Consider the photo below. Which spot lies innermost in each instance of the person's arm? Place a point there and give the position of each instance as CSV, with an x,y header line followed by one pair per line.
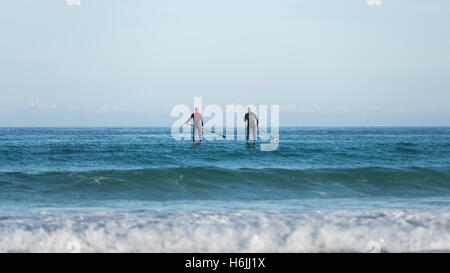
x,y
257,121
191,117
202,119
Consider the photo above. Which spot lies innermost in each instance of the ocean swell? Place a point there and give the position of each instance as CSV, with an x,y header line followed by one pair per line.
x,y
220,183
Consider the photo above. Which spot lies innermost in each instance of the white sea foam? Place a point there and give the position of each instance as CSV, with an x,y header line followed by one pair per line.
x,y
239,231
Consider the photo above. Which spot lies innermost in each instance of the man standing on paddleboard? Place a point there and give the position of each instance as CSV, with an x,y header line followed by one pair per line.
x,y
198,124
252,123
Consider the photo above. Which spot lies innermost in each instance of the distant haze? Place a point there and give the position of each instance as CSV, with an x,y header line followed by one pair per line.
x,y
127,63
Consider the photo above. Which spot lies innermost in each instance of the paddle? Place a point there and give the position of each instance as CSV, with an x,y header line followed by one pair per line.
x,y
212,132
275,139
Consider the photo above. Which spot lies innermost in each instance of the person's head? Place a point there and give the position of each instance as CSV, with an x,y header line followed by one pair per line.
x,y
249,109
197,109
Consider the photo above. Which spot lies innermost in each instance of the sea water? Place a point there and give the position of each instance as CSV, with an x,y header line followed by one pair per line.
x,y
139,190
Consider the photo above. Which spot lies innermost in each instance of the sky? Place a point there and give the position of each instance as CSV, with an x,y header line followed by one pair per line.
x,y
128,63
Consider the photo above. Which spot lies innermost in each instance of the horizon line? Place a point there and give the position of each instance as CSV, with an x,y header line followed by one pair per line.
x,y
286,126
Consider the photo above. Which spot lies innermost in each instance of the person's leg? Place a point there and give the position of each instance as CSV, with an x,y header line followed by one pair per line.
x,y
200,133
248,132
254,133
197,132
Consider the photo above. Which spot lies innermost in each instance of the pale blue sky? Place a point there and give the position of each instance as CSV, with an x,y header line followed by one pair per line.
x,y
127,63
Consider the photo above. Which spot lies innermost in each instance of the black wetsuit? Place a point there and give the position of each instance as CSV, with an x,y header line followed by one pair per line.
x,y
252,123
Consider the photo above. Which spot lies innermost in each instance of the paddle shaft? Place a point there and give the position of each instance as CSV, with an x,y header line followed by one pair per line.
x,y
212,132
267,133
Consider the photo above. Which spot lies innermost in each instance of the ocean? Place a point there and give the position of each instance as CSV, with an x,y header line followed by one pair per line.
x,y
371,189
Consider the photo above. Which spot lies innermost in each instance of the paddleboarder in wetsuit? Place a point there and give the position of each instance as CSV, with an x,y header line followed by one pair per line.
x,y
198,124
252,123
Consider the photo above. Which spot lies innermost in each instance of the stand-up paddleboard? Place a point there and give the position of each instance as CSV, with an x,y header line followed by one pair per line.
x,y
196,144
251,146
